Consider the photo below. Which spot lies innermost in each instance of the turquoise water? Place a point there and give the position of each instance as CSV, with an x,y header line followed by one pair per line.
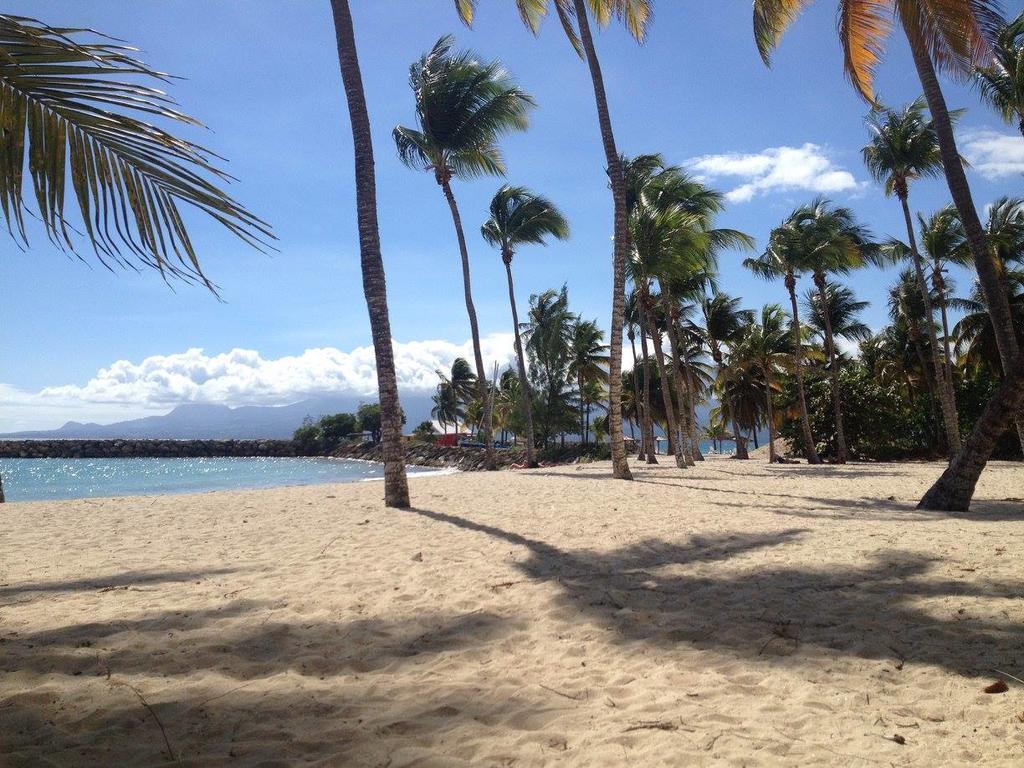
x,y
38,479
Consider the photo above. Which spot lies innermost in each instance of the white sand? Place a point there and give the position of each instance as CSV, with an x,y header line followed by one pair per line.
x,y
734,614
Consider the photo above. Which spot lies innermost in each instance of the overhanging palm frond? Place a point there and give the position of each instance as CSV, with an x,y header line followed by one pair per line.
x,y
771,19
65,102
635,15
1002,82
863,26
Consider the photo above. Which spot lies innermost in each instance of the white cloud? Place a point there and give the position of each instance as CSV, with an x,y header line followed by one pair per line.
x,y
992,154
776,169
240,377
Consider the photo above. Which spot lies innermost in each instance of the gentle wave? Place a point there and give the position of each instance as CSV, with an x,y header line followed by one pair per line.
x,y
51,479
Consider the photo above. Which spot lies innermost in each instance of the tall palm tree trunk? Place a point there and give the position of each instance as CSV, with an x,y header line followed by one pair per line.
x,y
740,441
940,289
620,465
583,411
989,272
671,420
481,374
524,381
636,396
691,388
947,400
650,447
770,413
396,486
842,454
798,366
677,378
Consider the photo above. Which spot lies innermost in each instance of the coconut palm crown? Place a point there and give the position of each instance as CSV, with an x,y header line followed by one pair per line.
x,y
903,147
520,217
1002,82
462,107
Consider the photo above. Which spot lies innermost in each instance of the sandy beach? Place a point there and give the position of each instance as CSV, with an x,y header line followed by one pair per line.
x,y
732,614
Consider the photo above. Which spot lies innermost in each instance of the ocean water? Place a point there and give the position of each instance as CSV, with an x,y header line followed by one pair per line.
x,y
39,479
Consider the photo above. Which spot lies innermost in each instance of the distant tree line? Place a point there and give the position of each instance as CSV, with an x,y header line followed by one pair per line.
x,y
329,432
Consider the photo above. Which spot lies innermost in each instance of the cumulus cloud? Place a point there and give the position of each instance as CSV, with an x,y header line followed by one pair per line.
x,y
239,377
993,154
776,169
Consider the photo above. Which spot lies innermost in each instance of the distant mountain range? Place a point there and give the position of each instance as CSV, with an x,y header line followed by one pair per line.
x,y
197,421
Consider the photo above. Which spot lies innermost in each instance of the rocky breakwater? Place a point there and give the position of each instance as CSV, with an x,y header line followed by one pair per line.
x,y
117,449
429,455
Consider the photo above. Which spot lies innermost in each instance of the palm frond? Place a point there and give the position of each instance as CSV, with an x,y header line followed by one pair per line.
x,y
863,27
69,103
771,19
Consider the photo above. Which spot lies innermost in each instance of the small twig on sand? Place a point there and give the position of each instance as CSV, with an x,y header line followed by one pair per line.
x,y
1006,674
222,695
572,696
656,725
328,544
506,584
146,704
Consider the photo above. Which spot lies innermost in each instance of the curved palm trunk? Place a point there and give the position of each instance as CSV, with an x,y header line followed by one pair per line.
x,y
940,289
620,465
636,398
954,489
671,420
396,486
770,414
798,366
996,299
740,441
481,374
583,411
947,400
650,447
524,381
677,380
691,388
842,454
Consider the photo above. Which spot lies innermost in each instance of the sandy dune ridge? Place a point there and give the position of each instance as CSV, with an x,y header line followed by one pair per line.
x,y
732,614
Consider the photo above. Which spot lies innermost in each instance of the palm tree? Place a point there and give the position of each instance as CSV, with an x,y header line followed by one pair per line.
x,y
832,242
396,486
955,36
943,240
651,232
447,408
461,380
765,351
75,109
642,402
783,258
724,320
1002,81
463,106
975,341
519,217
576,24
547,335
587,365
904,147
844,313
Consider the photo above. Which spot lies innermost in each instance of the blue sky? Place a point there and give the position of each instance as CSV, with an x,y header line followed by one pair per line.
x,y
80,342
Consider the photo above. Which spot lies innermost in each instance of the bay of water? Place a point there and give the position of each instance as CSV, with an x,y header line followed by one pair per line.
x,y
40,479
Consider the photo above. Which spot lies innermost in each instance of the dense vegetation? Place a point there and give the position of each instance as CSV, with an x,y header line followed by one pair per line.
x,y
328,432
